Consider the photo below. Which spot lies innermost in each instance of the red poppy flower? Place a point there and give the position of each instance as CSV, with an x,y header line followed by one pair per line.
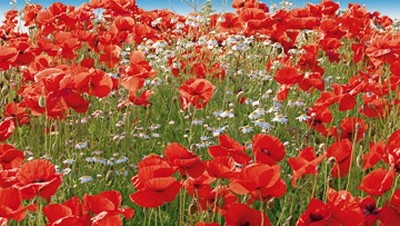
x,y
339,95
375,107
7,128
132,84
341,151
312,80
111,55
10,205
229,23
308,60
316,214
143,99
105,207
378,181
154,183
196,92
18,112
282,93
329,7
390,213
38,177
101,210
218,200
100,84
268,149
30,13
345,208
287,76
240,214
139,67
352,128
71,212
10,157
261,181
392,155
305,163
156,192
319,116
200,186
8,177
229,147
375,154
186,161
206,224
72,99
369,210
222,167
383,48
8,55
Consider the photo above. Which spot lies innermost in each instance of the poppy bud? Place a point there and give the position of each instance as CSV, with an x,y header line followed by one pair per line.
x,y
359,161
110,175
42,101
4,91
221,202
7,76
193,208
331,159
322,148
271,203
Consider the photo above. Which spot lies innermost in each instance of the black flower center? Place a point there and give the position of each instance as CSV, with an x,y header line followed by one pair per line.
x,y
315,217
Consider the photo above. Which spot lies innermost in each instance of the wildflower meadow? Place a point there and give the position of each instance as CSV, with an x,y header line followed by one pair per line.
x,y
267,115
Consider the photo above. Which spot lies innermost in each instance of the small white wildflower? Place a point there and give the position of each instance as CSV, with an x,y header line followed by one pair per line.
x,y
255,103
179,26
101,160
221,19
263,124
81,145
286,143
65,171
280,118
227,114
90,159
85,179
303,118
246,129
154,127
121,160
174,20
275,108
122,172
218,113
144,136
69,161
257,113
217,131
212,43
198,122
155,22
97,152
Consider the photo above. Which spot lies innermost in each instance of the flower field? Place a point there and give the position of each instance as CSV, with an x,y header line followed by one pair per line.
x,y
113,115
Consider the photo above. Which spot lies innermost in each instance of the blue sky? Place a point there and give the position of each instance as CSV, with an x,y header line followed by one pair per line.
x,y
386,7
